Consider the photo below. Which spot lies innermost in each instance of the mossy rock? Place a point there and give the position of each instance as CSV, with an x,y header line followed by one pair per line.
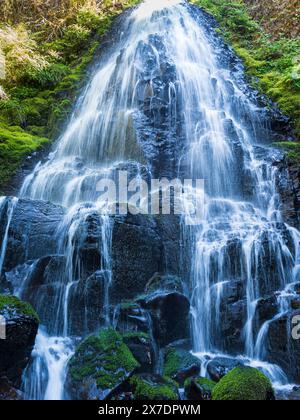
x,y
21,328
244,383
100,364
199,389
11,307
180,364
153,387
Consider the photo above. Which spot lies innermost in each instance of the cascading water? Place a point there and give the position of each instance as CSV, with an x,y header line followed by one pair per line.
x,y
241,240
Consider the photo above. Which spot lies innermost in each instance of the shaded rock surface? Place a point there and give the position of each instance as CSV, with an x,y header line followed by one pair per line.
x,y
21,325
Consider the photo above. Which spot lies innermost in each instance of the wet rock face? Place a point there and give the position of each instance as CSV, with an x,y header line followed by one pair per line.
x,y
199,389
282,348
32,232
8,392
170,315
21,329
220,366
288,186
179,363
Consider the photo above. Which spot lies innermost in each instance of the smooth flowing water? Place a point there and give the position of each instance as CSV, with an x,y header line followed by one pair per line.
x,y
241,237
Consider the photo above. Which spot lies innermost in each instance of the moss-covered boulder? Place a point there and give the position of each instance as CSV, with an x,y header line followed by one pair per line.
x,y
199,389
100,364
153,387
244,383
140,344
180,364
19,324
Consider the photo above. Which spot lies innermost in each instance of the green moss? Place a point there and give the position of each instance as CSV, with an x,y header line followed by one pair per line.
x,y
206,384
272,65
15,145
243,383
177,359
292,150
147,387
14,306
104,358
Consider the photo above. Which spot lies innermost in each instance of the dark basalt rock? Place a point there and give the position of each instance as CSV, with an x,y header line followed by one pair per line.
x,y
136,255
141,347
170,315
21,328
281,348
288,186
179,363
220,366
40,282
234,317
32,232
198,389
8,392
131,317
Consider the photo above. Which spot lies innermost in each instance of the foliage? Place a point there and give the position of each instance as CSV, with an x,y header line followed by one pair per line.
x,y
273,66
45,49
15,143
292,150
243,383
12,306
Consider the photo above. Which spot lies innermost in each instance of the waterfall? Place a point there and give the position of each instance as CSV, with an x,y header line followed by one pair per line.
x,y
216,128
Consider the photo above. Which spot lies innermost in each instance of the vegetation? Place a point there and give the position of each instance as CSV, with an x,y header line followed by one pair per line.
x,y
272,63
104,358
243,383
45,49
13,306
292,149
152,387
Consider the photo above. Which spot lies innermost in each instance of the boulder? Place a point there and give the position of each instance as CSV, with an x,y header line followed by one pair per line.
x,y
100,365
141,347
170,315
129,316
8,392
21,325
220,366
198,389
180,364
244,383
281,348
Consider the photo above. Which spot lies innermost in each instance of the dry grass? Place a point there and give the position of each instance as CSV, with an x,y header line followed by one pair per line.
x,y
278,17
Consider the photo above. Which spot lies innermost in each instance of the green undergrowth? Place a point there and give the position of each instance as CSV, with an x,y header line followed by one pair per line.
x,y
44,73
273,66
11,305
